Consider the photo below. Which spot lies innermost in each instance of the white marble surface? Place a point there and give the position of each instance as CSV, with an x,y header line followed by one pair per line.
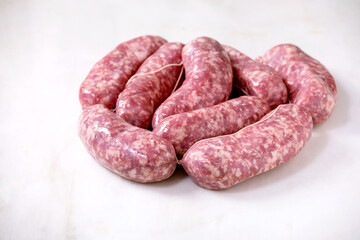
x,y
50,188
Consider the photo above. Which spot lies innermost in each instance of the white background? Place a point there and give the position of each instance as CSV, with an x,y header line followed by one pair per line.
x,y
50,187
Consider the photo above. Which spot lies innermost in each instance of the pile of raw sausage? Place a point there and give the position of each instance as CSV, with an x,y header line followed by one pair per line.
x,y
150,104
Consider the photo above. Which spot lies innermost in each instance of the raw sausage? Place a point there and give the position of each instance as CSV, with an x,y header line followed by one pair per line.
x,y
133,153
108,76
150,86
221,162
309,83
208,79
257,79
184,129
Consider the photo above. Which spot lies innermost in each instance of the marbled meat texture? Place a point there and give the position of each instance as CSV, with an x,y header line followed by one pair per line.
x,y
108,76
184,129
133,153
150,86
208,79
257,79
309,83
221,162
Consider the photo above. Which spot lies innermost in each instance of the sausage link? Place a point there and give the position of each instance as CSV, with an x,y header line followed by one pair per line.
x,y
133,153
309,83
208,79
150,86
184,129
108,76
221,162
257,79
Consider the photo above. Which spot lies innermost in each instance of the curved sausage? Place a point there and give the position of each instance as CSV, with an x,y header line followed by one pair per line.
x,y
150,86
108,76
257,79
309,83
133,153
208,79
184,129
221,162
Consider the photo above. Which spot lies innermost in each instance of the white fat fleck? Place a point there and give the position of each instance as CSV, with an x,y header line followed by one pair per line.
x,y
221,185
113,63
103,130
220,153
132,173
137,144
238,172
162,146
224,165
216,172
146,172
195,98
140,54
254,164
330,104
116,75
143,160
275,156
285,151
